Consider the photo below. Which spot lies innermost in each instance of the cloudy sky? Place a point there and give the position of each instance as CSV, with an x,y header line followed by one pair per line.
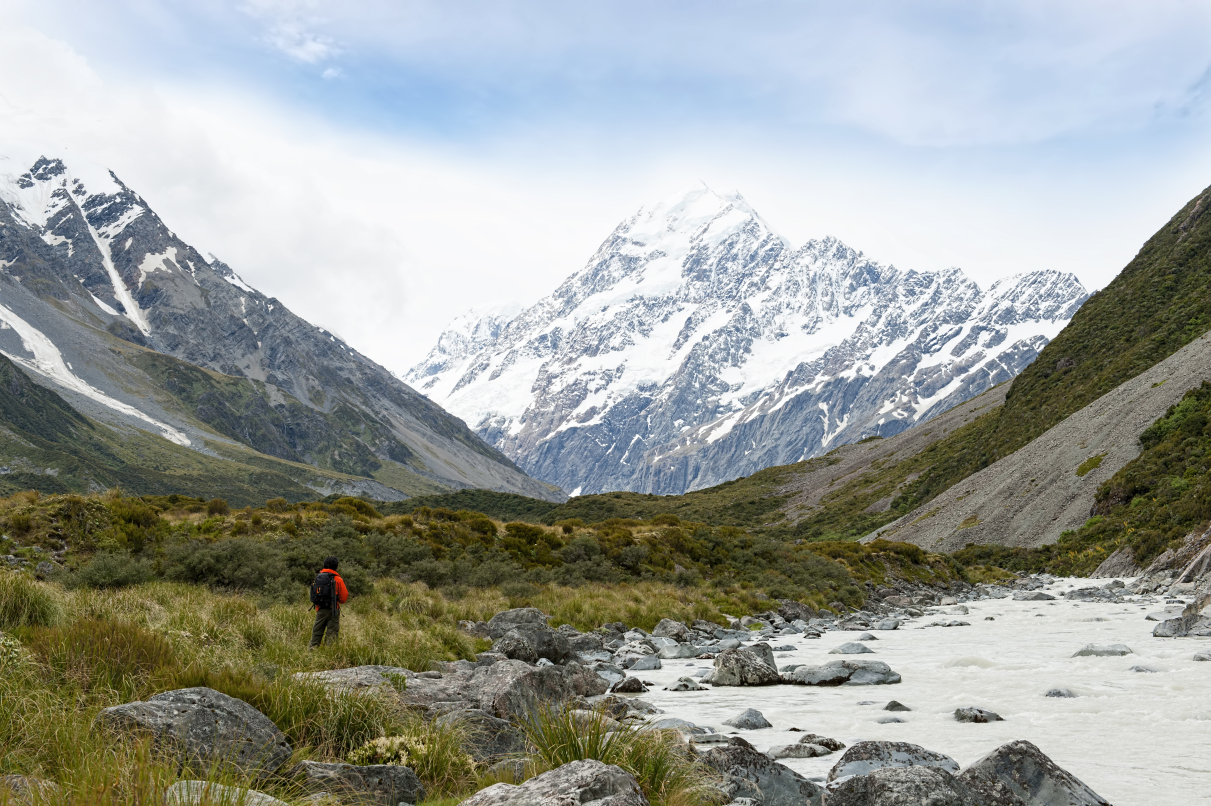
x,y
382,165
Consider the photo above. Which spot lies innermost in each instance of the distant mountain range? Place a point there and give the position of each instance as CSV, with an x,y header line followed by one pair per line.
x,y
103,304
698,346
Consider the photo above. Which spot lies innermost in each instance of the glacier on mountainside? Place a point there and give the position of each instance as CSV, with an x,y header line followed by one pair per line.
x,y
697,346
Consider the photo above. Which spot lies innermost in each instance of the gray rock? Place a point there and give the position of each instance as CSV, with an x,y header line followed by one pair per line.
x,y
580,783
831,745
678,652
1103,651
685,684
506,689
380,784
798,750
1032,596
205,726
502,622
667,628
629,685
748,719
647,663
851,648
357,677
864,757
511,770
531,642
1143,669
743,667
890,720
488,738
1204,655
903,786
866,637
750,774
198,793
886,624
585,643
978,715
896,706
24,790
1029,775
1060,692
765,652
728,643
844,673
608,671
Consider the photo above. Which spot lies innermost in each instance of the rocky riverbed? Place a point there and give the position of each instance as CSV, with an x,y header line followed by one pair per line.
x,y
1135,731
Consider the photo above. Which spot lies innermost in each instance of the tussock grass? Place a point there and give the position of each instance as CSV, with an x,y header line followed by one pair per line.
x,y
663,765
25,602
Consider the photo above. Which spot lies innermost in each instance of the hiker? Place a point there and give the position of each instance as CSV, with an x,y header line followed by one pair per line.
x,y
328,593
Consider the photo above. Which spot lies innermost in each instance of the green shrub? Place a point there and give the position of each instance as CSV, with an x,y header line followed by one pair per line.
x,y
217,506
239,563
112,570
25,602
435,753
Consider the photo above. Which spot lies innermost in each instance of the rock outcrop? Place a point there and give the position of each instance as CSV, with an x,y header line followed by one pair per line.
x,y
580,783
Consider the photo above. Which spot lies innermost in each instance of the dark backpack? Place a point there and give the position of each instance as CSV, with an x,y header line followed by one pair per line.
x,y
323,591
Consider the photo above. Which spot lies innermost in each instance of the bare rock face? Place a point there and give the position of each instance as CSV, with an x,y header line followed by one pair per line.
x,y
1119,564
207,727
865,757
750,774
844,673
378,784
1026,772
742,667
580,783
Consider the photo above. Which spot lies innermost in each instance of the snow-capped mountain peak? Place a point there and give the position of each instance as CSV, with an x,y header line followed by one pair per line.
x,y
697,345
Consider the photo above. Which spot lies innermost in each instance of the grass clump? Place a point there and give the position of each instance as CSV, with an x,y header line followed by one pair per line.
x,y
664,767
1090,464
25,602
434,752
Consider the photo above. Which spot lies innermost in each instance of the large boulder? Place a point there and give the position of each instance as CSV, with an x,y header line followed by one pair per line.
x,y
205,726
750,774
864,757
512,689
529,642
378,784
851,648
905,786
488,738
501,623
204,793
667,628
765,652
580,783
742,667
843,673
1031,776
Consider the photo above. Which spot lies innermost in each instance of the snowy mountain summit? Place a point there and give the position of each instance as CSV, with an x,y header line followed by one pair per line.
x,y
698,346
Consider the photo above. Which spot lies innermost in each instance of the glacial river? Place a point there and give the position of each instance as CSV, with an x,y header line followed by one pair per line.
x,y
1136,738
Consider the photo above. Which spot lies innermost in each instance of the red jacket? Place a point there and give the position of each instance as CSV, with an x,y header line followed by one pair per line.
x,y
342,593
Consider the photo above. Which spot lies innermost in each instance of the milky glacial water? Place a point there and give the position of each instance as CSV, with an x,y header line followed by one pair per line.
x,y
1137,739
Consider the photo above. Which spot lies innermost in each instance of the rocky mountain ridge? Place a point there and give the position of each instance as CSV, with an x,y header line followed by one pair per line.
x,y
100,300
697,346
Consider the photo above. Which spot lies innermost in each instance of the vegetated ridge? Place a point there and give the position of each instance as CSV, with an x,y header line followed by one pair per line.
x,y
137,331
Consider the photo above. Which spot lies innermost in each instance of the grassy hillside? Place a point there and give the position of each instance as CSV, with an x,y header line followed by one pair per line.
x,y
46,445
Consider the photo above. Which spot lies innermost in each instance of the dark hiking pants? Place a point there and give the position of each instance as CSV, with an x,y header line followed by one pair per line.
x,y
326,620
